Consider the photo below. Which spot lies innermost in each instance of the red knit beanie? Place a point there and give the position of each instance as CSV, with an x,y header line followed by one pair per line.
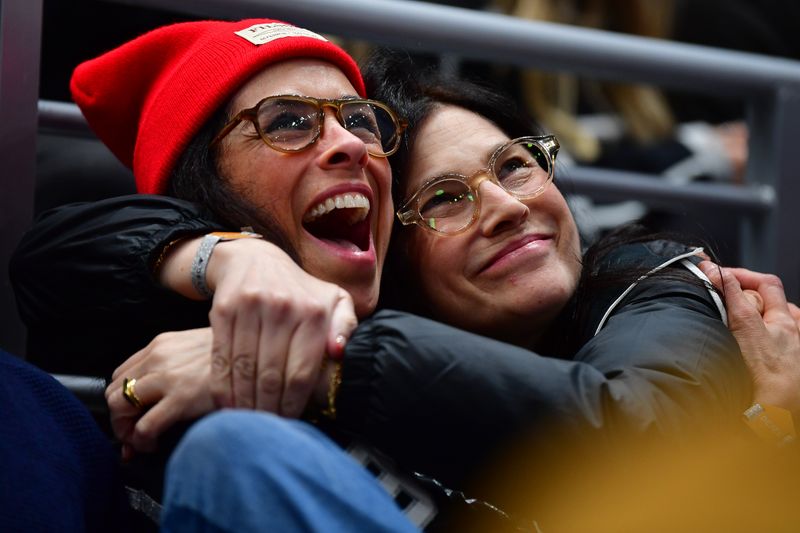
x,y
147,99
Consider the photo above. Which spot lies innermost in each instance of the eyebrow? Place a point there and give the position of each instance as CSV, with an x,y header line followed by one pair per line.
x,y
438,175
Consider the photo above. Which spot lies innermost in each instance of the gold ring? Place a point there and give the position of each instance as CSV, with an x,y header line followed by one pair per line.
x,y
129,393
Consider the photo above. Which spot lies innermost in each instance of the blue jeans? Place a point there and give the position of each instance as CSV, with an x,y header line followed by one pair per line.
x,y
241,471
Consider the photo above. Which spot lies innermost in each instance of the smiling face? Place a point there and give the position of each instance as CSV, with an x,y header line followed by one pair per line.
x,y
511,272
332,200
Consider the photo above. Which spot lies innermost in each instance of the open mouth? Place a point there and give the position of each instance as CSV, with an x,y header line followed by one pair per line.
x,y
342,220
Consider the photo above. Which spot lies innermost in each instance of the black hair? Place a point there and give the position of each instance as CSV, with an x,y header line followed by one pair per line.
x,y
415,93
392,77
597,278
197,178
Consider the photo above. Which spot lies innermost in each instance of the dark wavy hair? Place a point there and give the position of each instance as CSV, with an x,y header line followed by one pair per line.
x,y
416,92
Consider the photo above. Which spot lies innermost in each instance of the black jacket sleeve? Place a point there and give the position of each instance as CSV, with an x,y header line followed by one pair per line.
x,y
440,400
84,286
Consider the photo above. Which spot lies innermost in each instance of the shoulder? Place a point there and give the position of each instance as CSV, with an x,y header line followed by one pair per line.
x,y
642,255
642,274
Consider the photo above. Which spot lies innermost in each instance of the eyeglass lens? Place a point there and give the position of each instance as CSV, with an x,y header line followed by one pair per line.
x,y
294,124
447,205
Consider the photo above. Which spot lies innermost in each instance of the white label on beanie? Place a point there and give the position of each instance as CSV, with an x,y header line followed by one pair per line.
x,y
263,33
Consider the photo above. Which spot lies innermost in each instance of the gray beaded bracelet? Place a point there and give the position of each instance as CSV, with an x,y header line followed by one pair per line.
x,y
200,264
203,256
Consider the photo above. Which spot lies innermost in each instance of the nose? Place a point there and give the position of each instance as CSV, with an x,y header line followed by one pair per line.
x,y
342,149
500,211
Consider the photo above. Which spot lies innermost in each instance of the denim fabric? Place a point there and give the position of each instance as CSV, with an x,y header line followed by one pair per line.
x,y
248,471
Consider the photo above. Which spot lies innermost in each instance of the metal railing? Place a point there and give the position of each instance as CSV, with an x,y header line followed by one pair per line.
x,y
769,86
20,30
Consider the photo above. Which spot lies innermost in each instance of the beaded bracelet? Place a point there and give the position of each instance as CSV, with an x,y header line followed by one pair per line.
x,y
203,256
333,390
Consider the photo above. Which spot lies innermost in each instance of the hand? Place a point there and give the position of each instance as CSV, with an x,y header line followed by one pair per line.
x,y
172,378
769,337
272,322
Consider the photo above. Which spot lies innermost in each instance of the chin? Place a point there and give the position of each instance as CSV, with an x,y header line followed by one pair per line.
x,y
365,299
536,303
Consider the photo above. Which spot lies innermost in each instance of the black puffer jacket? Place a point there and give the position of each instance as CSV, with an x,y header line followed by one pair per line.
x,y
435,398
83,281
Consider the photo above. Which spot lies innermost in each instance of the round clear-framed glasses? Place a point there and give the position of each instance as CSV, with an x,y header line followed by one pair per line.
x,y
291,123
450,203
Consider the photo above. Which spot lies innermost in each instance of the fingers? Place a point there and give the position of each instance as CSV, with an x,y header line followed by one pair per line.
x,y
271,343
775,308
764,292
272,323
124,414
343,322
743,307
306,352
147,429
133,361
749,279
272,353
243,358
738,303
770,341
140,428
714,273
308,348
755,300
795,312
771,290
172,382
120,406
220,383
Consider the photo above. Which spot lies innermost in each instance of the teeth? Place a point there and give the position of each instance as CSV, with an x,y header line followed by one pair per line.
x,y
343,201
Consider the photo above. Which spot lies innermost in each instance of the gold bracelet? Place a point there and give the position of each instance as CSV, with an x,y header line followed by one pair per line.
x,y
771,423
333,390
163,253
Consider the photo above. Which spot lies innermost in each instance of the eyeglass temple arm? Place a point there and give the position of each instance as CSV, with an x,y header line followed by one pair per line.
x,y
229,127
407,216
551,145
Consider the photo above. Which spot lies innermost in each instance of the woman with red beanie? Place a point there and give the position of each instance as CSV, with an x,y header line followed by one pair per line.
x,y
266,125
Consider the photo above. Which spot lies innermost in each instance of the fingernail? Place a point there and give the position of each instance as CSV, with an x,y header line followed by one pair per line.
x,y
338,352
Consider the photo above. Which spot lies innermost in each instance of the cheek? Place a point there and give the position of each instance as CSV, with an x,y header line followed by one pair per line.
x,y
569,243
554,204
267,182
382,174
438,264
